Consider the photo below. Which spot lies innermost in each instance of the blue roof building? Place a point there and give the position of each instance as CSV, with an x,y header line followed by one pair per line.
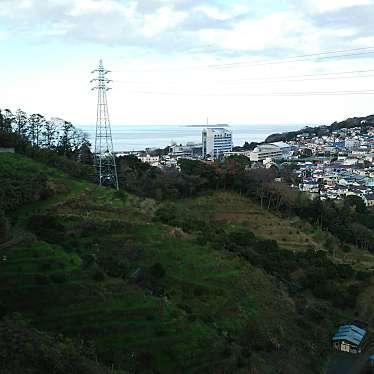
x,y
349,338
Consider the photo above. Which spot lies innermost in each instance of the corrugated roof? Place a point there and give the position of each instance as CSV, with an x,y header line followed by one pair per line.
x,y
350,333
355,328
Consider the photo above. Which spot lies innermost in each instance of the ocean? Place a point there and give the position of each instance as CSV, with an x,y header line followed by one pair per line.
x,y
139,137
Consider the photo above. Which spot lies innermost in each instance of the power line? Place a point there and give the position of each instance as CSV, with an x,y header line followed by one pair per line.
x,y
300,80
284,61
280,79
291,59
267,94
286,77
309,55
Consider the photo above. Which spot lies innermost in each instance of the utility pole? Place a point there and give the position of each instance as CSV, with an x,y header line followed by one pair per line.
x,y
104,156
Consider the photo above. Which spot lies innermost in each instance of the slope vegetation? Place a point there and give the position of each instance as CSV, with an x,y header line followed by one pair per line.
x,y
166,294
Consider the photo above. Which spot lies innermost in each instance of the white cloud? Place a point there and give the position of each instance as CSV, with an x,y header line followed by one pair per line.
x,y
366,41
80,7
279,30
3,36
181,25
322,6
25,4
163,19
162,33
220,13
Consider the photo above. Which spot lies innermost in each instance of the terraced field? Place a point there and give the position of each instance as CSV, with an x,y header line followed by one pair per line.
x,y
93,263
290,233
207,293
233,209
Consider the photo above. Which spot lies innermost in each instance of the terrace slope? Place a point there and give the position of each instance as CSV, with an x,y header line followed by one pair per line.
x,y
153,295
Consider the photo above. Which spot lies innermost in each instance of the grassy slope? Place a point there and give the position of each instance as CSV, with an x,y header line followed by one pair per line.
x,y
290,233
211,296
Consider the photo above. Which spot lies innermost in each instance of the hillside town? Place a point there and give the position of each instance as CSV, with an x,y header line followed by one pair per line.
x,y
336,165
331,166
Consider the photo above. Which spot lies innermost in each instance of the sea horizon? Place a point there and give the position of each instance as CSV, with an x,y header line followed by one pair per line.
x,y
139,137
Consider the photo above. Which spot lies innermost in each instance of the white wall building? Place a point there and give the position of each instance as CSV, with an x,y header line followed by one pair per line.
x,y
285,148
264,151
216,142
152,160
188,150
352,143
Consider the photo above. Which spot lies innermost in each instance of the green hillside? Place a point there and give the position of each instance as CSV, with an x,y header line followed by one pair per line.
x,y
168,287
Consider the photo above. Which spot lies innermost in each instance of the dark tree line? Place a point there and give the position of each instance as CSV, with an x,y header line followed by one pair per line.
x,y
55,142
21,130
24,349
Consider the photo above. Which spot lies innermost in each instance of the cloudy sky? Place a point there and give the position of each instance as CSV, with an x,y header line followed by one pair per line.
x,y
180,61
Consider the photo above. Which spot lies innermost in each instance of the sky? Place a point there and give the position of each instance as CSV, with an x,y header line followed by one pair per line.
x,y
183,61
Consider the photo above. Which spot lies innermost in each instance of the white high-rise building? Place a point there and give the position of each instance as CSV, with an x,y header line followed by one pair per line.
x,y
216,142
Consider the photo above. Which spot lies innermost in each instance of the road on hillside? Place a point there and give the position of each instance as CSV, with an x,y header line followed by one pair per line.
x,y
346,363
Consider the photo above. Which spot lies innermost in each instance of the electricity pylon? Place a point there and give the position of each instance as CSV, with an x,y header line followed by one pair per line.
x,y
104,157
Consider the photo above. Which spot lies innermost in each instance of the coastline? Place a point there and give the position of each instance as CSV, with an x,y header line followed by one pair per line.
x,y
139,137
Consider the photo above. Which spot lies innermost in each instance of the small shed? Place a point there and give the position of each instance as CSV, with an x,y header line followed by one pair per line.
x,y
349,338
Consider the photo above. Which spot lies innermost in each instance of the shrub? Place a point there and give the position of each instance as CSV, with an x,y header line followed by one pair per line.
x,y
166,214
42,279
27,350
59,277
98,275
363,275
120,194
157,270
113,264
241,238
4,227
47,227
346,248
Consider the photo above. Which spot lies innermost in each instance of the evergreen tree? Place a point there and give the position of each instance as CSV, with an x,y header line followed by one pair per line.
x,y
21,122
65,146
49,134
36,124
85,155
8,120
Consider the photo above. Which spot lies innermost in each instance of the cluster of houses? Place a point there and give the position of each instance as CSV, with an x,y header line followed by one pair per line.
x,y
335,180
330,166
337,165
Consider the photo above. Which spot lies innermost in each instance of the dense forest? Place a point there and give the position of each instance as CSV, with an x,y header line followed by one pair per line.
x,y
205,268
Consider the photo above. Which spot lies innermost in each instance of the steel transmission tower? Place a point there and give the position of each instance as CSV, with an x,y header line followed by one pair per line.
x,y
105,159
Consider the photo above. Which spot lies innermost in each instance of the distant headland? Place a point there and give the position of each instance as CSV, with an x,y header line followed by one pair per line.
x,y
217,125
